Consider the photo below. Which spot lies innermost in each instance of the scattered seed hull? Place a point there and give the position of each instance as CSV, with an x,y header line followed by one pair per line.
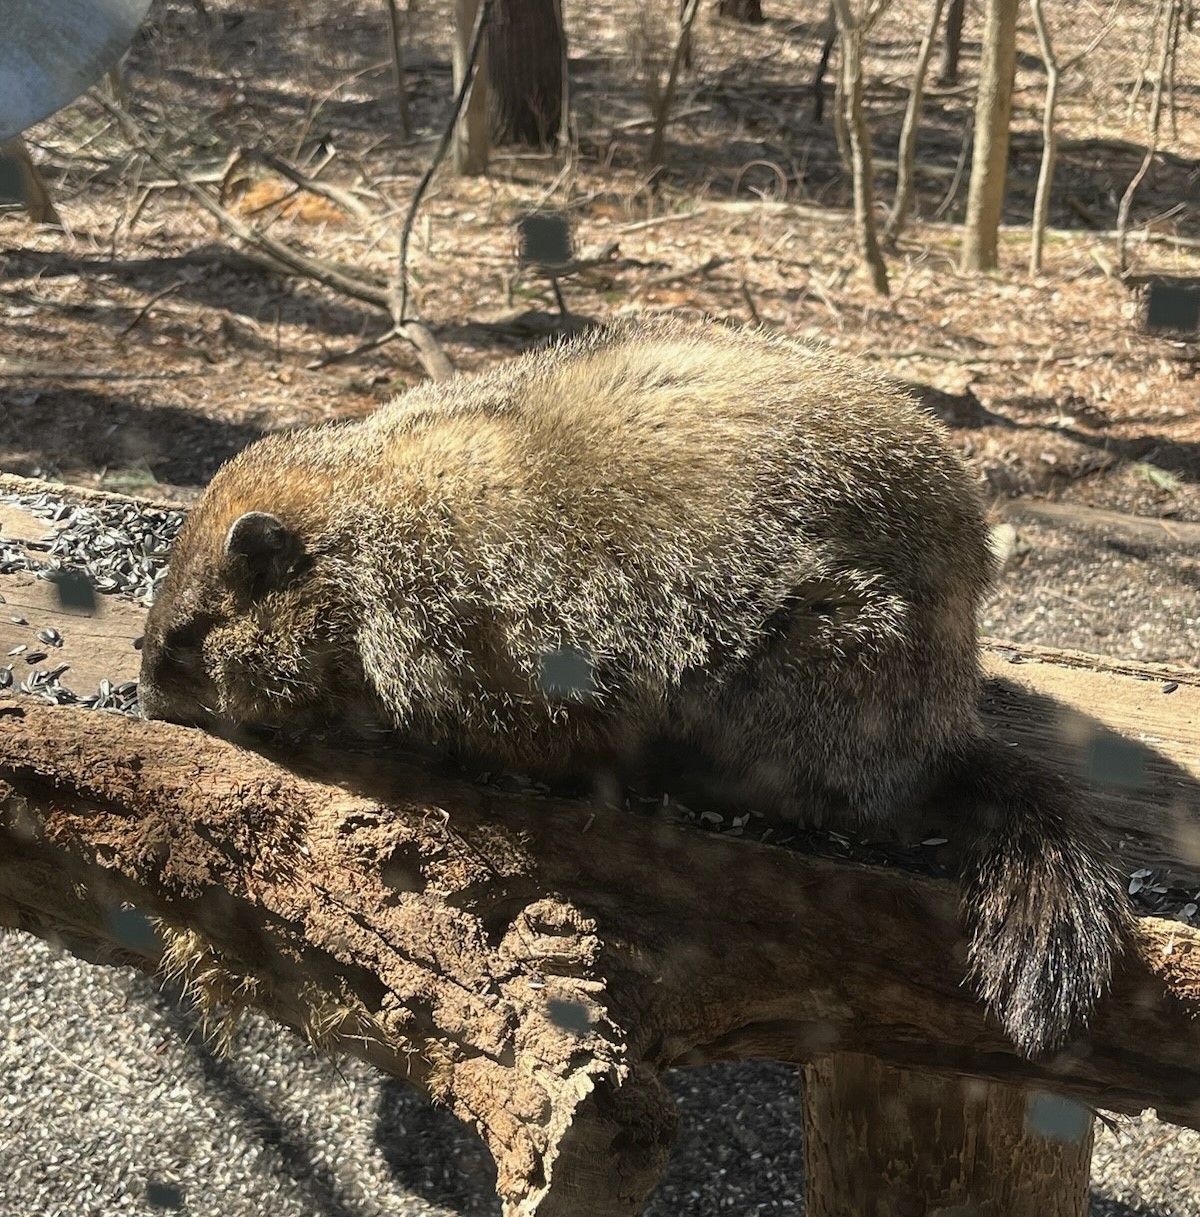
x,y
112,549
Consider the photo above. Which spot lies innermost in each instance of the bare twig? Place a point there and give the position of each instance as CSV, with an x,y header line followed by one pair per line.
x,y
654,221
335,194
678,276
908,131
1169,38
852,32
686,21
640,124
313,111
1041,203
1054,71
166,291
1140,83
749,299
959,166
398,303
371,344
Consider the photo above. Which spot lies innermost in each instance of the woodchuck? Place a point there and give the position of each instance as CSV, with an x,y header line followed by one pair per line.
x,y
653,536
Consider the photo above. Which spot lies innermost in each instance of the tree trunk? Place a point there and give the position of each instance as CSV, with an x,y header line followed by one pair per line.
x,y
398,32
993,114
906,152
954,24
667,98
892,1143
471,134
851,34
525,56
742,10
1041,202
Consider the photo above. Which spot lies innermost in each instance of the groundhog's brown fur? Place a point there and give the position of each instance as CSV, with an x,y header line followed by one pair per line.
x,y
710,538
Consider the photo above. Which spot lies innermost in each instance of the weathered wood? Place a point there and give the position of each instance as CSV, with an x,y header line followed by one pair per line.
x,y
894,1143
532,964
1112,725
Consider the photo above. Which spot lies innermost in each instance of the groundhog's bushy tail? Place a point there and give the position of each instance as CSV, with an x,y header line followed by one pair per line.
x,y
1048,913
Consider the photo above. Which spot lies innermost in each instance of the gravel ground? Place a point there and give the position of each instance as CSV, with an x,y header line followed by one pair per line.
x,y
112,1103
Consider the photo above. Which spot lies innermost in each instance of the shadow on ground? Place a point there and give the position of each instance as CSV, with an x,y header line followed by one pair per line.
x,y
54,431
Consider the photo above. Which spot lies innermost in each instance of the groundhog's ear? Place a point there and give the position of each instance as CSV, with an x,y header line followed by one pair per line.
x,y
263,549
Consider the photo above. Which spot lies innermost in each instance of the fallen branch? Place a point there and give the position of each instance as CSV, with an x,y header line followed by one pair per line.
x,y
347,284
335,194
531,964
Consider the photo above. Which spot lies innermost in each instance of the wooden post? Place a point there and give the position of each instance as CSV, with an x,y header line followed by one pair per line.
x,y
896,1143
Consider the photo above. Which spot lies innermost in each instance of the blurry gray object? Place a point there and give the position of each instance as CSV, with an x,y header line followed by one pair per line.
x,y
52,50
1173,305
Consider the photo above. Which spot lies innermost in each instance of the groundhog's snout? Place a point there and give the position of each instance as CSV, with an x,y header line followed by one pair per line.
x,y
165,694
150,700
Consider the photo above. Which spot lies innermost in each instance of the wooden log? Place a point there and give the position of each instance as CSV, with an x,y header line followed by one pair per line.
x,y
532,964
280,945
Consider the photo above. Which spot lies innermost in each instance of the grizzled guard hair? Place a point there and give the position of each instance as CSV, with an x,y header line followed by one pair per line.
x,y
752,551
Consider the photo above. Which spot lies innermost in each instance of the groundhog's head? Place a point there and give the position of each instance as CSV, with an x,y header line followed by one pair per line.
x,y
245,630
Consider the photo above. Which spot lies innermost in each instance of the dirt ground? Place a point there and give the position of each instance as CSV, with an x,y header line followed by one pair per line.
x,y
138,352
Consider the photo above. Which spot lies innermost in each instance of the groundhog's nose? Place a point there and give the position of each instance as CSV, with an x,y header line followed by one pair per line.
x,y
157,697
149,699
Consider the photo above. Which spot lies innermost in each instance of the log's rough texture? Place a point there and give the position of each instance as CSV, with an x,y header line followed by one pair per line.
x,y
531,964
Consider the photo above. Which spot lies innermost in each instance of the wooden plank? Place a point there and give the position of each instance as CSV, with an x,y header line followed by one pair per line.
x,y
96,643
1116,728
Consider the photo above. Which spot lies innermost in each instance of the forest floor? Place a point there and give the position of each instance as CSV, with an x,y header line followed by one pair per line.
x,y
137,351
